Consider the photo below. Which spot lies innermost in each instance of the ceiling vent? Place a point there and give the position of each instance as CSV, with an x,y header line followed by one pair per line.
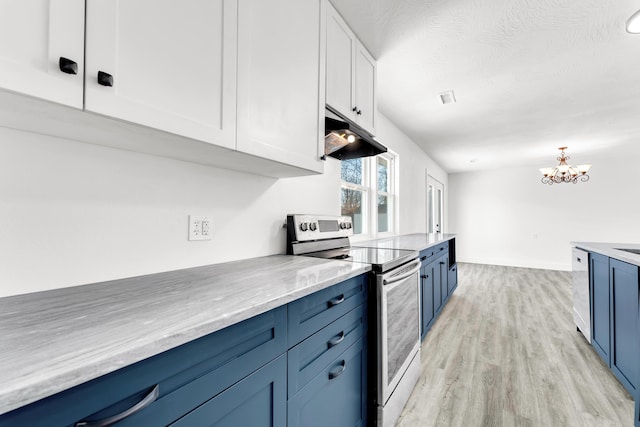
x,y
448,97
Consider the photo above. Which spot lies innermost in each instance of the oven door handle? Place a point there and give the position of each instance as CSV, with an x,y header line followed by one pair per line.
x,y
410,273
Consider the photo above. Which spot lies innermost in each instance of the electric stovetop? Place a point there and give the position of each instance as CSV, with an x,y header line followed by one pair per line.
x,y
381,259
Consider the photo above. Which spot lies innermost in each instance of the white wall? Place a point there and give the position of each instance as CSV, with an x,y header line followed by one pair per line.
x,y
509,217
413,164
73,213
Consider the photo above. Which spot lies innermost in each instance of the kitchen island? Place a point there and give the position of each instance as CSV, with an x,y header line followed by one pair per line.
x,y
52,341
614,279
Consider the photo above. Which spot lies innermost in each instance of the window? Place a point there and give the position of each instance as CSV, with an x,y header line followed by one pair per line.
x,y
368,194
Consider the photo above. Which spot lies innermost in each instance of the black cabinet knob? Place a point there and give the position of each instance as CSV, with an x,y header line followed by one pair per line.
x,y
354,109
424,276
359,112
105,79
423,258
68,66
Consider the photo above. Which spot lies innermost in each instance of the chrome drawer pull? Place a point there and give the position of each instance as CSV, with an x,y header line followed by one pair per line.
x,y
337,300
105,422
337,340
336,374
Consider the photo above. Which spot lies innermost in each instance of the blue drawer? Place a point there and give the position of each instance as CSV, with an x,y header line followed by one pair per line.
x,y
186,377
312,355
308,315
336,396
429,254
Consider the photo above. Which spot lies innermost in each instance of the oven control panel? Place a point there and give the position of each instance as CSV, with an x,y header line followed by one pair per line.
x,y
303,228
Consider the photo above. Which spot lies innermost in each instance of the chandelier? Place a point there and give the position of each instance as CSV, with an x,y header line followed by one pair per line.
x,y
564,172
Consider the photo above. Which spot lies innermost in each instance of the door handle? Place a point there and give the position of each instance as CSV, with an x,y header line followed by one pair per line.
x,y
337,340
414,270
105,79
336,374
337,300
105,422
68,66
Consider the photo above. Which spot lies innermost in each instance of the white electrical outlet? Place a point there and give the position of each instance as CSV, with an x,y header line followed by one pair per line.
x,y
205,228
199,227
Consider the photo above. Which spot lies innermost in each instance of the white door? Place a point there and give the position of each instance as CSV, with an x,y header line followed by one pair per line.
x,y
34,36
341,45
167,64
365,87
435,205
279,76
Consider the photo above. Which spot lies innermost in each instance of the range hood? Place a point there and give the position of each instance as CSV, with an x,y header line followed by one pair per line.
x,y
344,140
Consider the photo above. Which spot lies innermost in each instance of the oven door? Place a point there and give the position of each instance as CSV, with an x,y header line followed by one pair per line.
x,y
398,325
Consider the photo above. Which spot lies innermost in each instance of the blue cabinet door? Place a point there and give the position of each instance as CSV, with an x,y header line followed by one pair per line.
x,y
623,279
427,277
259,400
437,289
336,397
443,265
600,306
452,282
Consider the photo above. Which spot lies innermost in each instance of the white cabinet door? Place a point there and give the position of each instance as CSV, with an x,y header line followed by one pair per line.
x,y
172,65
34,35
365,83
279,80
341,44
351,73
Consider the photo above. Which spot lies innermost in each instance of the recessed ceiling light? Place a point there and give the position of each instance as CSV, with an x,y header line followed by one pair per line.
x,y
448,97
633,24
473,161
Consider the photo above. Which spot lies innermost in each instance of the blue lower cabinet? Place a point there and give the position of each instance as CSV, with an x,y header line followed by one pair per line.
x,y
239,376
600,306
437,283
624,323
452,280
336,397
427,313
172,383
437,288
259,400
443,264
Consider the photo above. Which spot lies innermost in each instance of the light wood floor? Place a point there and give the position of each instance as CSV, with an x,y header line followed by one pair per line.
x,y
505,352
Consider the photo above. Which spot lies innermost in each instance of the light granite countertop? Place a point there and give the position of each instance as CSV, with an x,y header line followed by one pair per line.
x,y
54,340
414,242
612,250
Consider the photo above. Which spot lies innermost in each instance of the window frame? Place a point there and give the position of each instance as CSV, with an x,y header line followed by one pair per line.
x,y
370,192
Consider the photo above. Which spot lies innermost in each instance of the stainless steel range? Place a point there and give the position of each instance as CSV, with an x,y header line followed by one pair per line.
x,y
394,315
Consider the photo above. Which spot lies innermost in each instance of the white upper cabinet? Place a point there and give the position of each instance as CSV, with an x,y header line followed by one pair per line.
x,y
237,84
365,89
351,73
280,114
166,64
42,49
341,49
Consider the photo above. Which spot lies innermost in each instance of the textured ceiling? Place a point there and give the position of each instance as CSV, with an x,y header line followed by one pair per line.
x,y
529,76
